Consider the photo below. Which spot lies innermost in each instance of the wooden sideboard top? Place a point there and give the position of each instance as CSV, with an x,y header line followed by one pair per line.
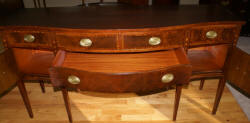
x,y
116,17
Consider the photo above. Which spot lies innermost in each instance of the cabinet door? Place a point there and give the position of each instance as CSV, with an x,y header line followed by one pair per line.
x,y
8,71
238,70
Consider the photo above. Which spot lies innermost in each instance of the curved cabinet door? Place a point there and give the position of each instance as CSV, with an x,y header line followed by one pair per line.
x,y
8,71
238,70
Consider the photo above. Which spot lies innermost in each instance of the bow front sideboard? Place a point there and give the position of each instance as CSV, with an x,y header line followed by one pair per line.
x,y
150,38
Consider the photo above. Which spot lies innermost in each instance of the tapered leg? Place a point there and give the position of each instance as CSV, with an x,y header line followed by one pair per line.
x,y
177,100
202,84
42,86
26,101
67,104
219,92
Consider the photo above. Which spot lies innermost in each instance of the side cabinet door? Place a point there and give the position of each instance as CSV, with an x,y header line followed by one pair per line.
x,y
238,70
8,70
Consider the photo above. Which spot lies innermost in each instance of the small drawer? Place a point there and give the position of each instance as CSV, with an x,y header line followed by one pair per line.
x,y
218,34
28,39
139,72
160,40
86,42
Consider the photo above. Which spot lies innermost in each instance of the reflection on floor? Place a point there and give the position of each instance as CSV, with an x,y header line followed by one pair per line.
x,y
195,106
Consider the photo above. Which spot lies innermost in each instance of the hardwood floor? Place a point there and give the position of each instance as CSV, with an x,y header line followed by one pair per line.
x,y
195,106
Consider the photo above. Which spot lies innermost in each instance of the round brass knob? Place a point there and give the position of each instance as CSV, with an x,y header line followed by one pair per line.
x,y
154,41
74,79
85,42
29,38
167,78
211,34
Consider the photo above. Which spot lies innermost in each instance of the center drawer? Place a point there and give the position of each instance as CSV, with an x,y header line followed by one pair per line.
x,y
138,72
84,42
154,40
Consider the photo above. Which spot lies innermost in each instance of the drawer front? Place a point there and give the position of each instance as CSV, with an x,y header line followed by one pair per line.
x,y
141,82
159,40
86,42
212,35
29,39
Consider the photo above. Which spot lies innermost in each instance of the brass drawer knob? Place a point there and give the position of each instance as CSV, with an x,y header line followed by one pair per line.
x,y
211,34
85,42
29,38
167,78
74,79
154,41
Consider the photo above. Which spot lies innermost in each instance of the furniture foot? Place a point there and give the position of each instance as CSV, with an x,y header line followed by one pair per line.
x,y
26,101
42,86
67,104
177,100
219,92
202,84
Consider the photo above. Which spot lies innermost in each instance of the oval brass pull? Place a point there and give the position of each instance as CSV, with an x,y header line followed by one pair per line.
x,y
29,38
85,42
154,41
74,79
211,34
167,78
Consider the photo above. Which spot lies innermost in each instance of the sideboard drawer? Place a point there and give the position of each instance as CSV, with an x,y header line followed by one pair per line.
x,y
137,72
86,42
158,40
216,34
28,39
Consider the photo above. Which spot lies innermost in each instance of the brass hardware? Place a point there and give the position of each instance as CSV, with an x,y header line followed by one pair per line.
x,y
29,38
211,34
74,79
154,41
85,42
167,78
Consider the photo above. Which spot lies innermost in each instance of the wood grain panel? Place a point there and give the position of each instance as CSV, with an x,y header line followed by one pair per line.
x,y
8,71
238,70
71,41
16,39
225,34
140,40
140,82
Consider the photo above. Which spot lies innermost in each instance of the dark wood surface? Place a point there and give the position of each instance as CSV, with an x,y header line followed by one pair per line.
x,y
238,70
116,17
8,71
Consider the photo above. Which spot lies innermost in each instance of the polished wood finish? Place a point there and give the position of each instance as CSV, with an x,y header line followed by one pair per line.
x,y
36,61
67,103
195,106
25,97
177,100
8,71
139,73
123,32
219,92
118,17
237,70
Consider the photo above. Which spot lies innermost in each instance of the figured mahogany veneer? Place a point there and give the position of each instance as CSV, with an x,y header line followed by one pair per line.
x,y
126,40
122,33
141,72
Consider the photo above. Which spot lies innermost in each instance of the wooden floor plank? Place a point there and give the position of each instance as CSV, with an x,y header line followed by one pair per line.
x,y
89,107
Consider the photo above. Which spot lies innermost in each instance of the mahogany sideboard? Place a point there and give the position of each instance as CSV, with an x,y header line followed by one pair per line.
x,y
206,33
